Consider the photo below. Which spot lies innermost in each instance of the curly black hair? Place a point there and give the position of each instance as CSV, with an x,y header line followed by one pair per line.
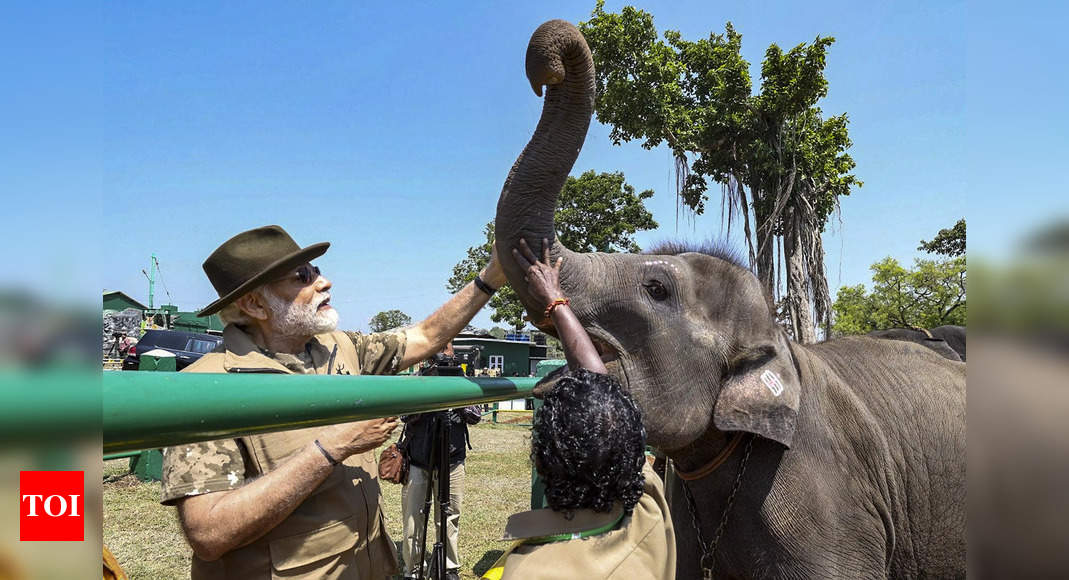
x,y
588,444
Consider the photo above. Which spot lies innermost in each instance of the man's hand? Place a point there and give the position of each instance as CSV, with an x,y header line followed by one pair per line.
x,y
543,279
347,439
216,523
493,274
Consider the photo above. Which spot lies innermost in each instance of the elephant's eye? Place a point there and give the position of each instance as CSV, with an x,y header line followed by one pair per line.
x,y
656,290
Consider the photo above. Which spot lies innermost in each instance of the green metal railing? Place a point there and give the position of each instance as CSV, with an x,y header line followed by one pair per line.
x,y
121,455
47,407
145,410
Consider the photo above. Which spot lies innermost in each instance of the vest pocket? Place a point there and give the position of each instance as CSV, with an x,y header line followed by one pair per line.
x,y
326,547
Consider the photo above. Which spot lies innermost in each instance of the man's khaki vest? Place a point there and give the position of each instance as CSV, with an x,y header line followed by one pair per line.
x,y
338,532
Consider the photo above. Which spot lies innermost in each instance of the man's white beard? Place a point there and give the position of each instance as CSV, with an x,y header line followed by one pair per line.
x,y
300,320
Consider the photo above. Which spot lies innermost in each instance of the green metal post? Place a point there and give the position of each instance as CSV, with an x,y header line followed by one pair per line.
x,y
151,410
538,487
152,281
151,275
148,465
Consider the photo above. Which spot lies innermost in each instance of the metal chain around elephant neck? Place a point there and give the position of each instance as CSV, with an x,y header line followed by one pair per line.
x,y
708,561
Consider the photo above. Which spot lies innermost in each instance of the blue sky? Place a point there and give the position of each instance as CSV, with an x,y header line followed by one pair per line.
x,y
131,129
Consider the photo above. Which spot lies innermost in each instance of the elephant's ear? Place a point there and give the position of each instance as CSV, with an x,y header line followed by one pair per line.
x,y
760,394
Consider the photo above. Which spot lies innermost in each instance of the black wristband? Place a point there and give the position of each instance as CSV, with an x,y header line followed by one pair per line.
x,y
484,286
325,454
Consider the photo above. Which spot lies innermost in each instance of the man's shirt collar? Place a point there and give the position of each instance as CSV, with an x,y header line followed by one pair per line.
x,y
244,356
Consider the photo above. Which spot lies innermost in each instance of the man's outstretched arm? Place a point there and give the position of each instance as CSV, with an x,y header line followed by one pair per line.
x,y
428,337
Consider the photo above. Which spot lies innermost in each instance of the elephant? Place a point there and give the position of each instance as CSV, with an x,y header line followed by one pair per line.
x,y
948,340
844,459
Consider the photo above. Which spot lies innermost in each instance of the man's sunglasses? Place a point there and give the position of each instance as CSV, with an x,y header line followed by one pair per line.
x,y
306,274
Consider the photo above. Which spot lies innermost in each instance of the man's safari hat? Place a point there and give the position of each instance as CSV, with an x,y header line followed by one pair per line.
x,y
252,259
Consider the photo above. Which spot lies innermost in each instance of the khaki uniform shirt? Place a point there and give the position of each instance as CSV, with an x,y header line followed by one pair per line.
x,y
641,547
338,531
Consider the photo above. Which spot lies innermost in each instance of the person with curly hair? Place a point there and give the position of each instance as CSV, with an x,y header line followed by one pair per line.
x,y
607,517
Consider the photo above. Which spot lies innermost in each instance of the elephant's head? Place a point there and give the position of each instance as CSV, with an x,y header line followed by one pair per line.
x,y
690,335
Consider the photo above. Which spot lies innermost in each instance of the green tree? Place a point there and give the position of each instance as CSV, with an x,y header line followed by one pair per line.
x,y
948,242
855,312
554,348
505,303
598,212
780,164
930,294
389,319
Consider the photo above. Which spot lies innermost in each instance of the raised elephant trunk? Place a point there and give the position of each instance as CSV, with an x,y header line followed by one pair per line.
x,y
559,58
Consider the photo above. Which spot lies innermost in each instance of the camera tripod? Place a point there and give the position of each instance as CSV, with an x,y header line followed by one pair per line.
x,y
439,469
442,366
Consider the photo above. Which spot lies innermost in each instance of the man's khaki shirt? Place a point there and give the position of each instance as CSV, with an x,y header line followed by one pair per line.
x,y
338,531
641,547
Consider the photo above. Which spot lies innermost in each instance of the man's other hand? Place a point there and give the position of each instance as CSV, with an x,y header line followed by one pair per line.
x,y
347,439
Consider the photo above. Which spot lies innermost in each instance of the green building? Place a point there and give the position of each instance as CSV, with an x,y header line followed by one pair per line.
x,y
189,321
513,355
166,316
119,301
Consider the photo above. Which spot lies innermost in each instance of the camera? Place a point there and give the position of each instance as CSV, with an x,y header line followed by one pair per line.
x,y
444,365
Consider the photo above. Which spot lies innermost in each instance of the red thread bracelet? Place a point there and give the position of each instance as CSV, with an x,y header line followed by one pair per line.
x,y
554,304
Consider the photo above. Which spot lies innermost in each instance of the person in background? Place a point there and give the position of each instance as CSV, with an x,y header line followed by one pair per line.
x,y
419,441
124,345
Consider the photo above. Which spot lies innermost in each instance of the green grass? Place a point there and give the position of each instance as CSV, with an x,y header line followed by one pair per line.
x,y
142,534
147,541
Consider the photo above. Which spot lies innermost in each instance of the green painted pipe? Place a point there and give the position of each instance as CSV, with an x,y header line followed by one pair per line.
x,y
49,406
146,410
122,455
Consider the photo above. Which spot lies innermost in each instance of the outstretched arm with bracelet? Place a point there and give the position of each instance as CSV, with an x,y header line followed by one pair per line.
x,y
543,284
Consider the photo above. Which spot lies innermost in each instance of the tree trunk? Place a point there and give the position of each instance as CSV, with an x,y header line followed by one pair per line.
x,y
766,265
798,299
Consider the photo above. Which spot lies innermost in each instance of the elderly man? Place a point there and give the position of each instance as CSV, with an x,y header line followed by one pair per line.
x,y
305,503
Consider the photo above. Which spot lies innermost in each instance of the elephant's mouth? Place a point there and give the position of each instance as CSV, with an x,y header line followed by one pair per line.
x,y
605,351
610,354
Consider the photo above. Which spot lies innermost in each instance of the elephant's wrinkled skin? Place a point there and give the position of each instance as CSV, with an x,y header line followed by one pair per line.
x,y
948,340
858,467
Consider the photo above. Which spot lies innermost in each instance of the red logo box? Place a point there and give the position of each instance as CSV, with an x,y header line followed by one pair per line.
x,y
51,506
